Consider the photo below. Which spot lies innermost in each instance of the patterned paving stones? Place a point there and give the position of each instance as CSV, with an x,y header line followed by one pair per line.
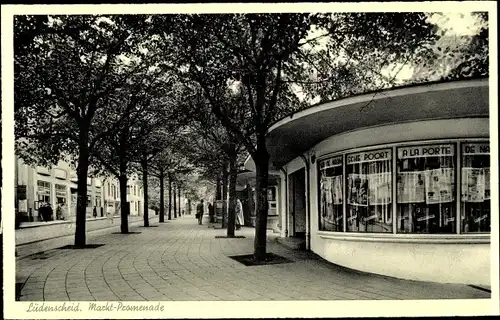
x,y
183,261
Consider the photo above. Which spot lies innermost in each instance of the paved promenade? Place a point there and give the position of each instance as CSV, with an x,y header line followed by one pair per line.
x,y
51,235
181,260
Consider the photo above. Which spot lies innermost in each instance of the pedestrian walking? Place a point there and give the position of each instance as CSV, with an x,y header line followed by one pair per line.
x,y
50,212
110,216
41,212
211,212
94,213
59,215
46,212
239,214
64,211
199,212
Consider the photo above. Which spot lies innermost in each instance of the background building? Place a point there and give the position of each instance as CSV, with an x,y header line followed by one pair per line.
x,y
395,182
58,187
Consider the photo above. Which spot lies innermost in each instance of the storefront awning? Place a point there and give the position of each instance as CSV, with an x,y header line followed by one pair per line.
x,y
299,132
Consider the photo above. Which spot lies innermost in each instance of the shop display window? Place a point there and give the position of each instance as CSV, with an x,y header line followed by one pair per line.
x,y
271,199
61,193
475,188
426,189
331,194
369,191
44,193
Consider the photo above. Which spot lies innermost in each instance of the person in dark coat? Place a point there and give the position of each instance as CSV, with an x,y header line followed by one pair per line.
x,y
43,211
211,212
50,212
199,212
94,213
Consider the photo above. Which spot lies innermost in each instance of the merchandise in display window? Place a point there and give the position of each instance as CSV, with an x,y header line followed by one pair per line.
x,y
331,209
426,189
475,188
369,191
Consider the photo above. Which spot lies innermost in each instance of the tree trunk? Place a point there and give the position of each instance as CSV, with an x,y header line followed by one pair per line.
x,y
262,168
218,194
162,197
145,189
233,172
189,207
218,189
225,178
179,196
169,197
125,208
81,202
175,201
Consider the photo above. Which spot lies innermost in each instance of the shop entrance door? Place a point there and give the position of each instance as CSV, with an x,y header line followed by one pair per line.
x,y
297,203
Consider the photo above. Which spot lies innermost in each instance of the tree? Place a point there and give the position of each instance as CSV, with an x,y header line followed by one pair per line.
x,y
264,56
212,147
64,75
153,144
167,164
137,110
452,55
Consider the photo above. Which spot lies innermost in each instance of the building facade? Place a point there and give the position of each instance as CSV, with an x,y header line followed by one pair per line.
x,y
58,187
245,187
394,183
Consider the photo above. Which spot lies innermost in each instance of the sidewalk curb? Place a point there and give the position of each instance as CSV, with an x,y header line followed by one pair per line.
x,y
23,245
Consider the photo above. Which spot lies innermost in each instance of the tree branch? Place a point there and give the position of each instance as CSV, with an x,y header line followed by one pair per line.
x,y
272,104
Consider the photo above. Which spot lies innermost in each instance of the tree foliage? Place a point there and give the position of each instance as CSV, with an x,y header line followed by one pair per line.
x,y
175,89
454,56
277,63
66,71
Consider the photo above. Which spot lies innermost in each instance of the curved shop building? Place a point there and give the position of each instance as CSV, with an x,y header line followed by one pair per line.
x,y
395,182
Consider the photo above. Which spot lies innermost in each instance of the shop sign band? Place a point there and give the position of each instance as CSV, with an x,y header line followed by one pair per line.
x,y
369,156
445,150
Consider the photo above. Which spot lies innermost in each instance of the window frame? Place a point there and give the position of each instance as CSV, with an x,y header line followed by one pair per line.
x,y
318,188
459,185
456,180
379,148
457,142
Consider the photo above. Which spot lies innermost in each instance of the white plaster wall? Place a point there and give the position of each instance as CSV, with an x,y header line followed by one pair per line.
x,y
282,190
447,263
313,218
443,262
410,131
294,165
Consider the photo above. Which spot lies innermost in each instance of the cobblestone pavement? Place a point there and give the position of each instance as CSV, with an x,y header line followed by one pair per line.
x,y
181,260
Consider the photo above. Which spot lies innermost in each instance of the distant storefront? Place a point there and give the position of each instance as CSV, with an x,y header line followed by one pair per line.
x,y
57,186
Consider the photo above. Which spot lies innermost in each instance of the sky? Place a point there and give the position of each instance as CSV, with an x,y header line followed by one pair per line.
x,y
453,24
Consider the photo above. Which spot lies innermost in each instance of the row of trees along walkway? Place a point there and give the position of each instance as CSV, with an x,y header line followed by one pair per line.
x,y
180,95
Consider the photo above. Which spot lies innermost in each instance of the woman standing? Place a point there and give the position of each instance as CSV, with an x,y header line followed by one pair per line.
x,y
239,214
